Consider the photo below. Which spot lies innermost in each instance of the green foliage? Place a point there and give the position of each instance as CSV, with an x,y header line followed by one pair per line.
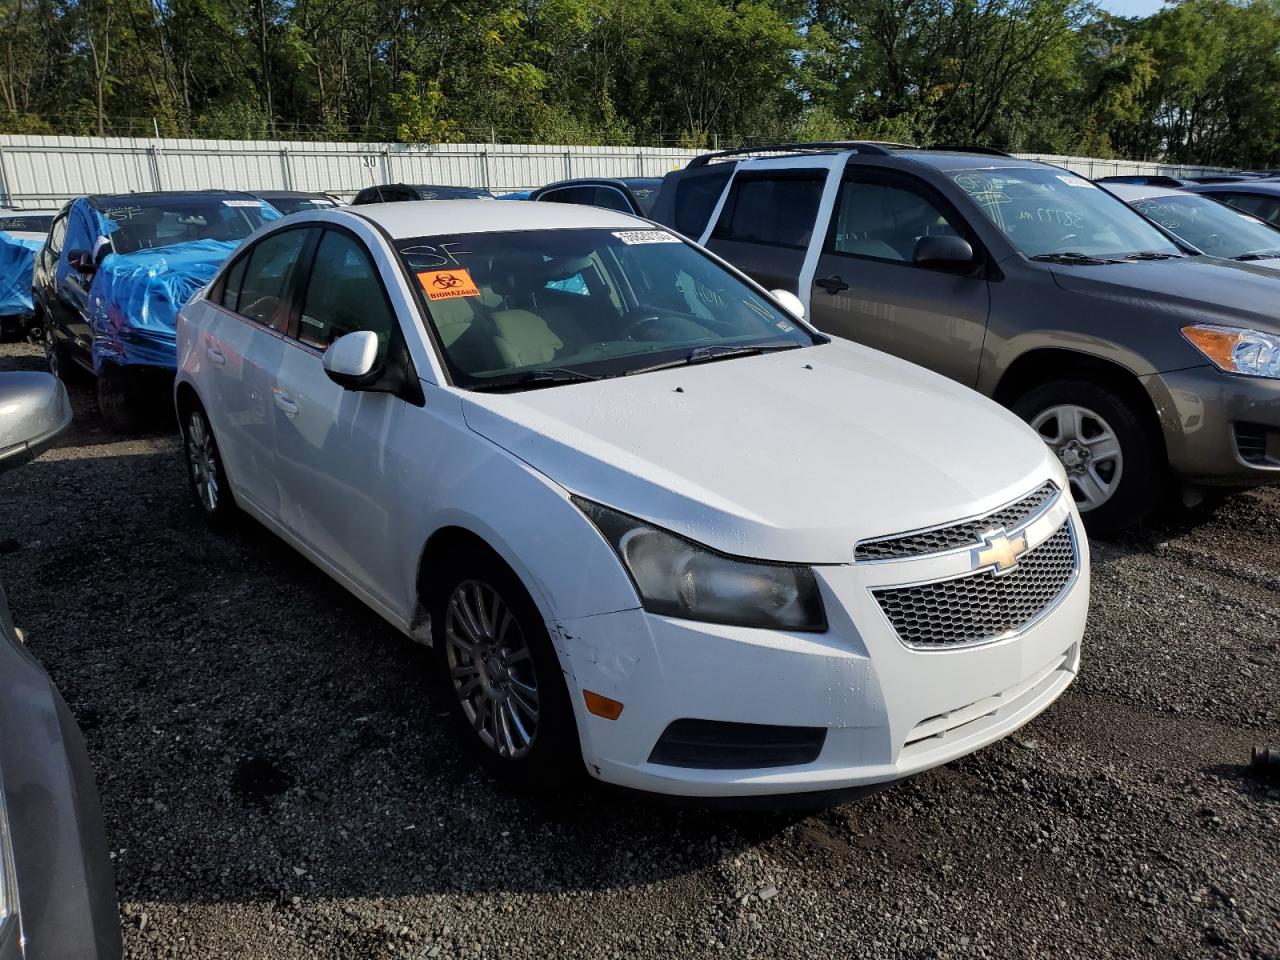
x,y
1199,81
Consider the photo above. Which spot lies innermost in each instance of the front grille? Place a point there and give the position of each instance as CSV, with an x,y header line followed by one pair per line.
x,y
957,534
982,606
718,745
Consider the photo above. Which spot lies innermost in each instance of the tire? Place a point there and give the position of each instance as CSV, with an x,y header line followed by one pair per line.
x,y
512,667
207,477
1114,461
56,354
119,399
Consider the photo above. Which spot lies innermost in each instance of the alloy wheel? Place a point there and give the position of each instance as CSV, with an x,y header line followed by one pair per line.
x,y
202,461
1088,448
491,669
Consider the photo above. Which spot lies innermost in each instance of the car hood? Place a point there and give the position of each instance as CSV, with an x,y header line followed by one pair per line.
x,y
791,456
1194,289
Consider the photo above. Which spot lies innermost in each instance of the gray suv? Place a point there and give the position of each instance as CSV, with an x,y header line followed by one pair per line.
x,y
1136,359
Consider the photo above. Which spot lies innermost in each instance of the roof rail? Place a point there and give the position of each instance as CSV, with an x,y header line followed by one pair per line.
x,y
857,146
968,148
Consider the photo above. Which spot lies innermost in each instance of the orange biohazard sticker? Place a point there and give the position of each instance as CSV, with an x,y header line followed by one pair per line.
x,y
447,284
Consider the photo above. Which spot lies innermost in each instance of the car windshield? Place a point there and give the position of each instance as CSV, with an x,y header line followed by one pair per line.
x,y
151,223
529,308
1047,213
288,205
28,224
1211,226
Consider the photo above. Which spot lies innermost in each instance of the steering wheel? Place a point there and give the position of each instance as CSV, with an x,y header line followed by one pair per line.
x,y
1057,244
639,319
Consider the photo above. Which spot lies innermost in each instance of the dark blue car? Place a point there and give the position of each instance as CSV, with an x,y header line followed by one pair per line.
x,y
112,275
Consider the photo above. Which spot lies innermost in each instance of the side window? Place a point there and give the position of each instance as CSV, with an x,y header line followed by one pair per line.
x,y
578,195
231,285
696,198
610,198
57,235
776,210
264,288
885,220
1267,208
344,294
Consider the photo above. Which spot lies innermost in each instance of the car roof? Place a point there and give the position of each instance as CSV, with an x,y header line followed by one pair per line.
x,y
1130,192
587,181
1269,187
31,212
424,218
962,159
267,194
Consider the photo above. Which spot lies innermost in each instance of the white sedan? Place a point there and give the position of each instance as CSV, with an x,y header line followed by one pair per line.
x,y
649,520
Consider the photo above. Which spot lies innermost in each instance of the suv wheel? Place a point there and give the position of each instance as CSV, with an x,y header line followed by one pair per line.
x,y
209,486
1107,451
505,687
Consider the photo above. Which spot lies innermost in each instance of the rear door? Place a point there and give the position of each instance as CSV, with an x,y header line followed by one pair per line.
x,y
243,348
339,461
867,288
767,222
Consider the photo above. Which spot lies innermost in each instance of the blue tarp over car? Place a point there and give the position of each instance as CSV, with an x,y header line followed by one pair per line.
x,y
134,298
17,259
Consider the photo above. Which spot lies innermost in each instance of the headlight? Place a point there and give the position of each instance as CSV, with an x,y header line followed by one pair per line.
x,y
679,578
1236,350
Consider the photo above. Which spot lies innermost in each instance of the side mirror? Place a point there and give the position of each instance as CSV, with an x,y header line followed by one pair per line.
x,y
943,252
789,302
34,409
351,360
81,261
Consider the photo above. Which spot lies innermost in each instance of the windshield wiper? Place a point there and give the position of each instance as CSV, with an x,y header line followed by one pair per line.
x,y
1072,257
1258,255
533,379
715,352
1152,255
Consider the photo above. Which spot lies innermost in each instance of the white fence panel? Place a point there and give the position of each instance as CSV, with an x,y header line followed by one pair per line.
x,y
45,171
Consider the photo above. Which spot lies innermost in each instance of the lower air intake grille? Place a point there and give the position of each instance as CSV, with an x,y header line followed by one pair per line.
x,y
982,606
716,745
1251,441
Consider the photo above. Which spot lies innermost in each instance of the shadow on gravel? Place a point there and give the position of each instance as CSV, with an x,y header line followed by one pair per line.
x,y
259,734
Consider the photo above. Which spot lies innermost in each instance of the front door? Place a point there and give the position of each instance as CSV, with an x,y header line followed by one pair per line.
x,y
867,288
767,223
339,453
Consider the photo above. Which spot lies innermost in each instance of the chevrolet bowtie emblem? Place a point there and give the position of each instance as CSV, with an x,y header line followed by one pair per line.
x,y
999,551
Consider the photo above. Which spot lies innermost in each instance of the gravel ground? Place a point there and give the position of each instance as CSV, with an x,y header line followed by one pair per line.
x,y
278,782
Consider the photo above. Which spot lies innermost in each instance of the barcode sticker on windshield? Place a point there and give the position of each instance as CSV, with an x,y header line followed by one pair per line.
x,y
1075,181
646,236
241,203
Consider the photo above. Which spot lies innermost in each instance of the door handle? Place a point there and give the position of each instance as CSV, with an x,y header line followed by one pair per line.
x,y
285,402
833,284
215,354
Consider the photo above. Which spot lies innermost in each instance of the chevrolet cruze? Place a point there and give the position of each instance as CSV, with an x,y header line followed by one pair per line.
x,y
648,519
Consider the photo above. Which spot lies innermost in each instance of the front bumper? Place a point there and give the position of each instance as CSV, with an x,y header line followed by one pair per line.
x,y
888,711
1219,428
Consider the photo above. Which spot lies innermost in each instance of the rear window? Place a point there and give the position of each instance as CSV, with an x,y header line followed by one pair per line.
x,y
21,224
776,211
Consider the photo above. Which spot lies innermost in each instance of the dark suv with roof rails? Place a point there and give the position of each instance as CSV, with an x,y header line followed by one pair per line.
x,y
1136,360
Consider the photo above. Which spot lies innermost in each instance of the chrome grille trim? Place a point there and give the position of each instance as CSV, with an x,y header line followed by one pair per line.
x,y
984,607
958,534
